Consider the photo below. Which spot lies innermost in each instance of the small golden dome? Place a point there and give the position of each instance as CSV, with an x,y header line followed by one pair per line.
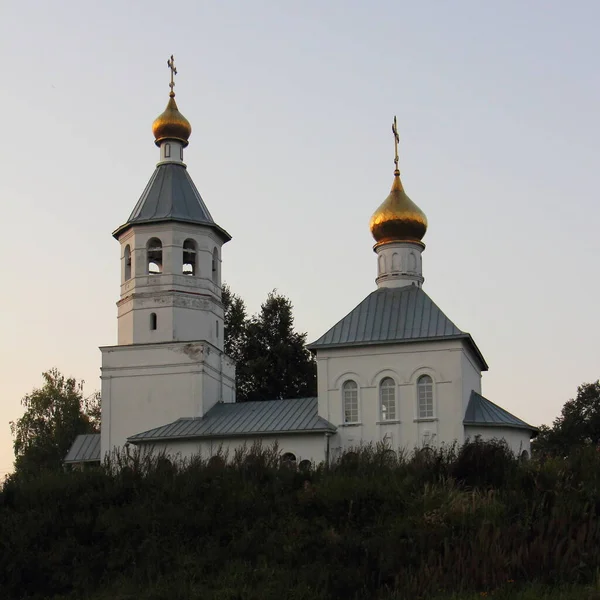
x,y
398,219
171,125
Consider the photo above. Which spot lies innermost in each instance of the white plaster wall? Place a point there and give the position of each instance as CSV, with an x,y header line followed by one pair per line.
x,y
175,151
399,264
304,446
187,307
405,363
517,439
146,386
471,376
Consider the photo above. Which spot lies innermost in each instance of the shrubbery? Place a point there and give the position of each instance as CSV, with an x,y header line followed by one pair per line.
x,y
374,525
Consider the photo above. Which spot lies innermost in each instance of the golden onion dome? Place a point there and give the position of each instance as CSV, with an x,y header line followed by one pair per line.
x,y
398,219
171,125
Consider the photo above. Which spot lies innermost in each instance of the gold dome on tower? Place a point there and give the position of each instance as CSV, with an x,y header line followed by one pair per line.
x,y
398,219
171,124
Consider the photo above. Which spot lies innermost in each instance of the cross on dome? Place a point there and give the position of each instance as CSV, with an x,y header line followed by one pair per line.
x,y
171,65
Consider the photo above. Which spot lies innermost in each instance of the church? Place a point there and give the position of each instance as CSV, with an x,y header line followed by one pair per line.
x,y
394,370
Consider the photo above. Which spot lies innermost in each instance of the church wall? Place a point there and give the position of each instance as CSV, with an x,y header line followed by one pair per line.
x,y
147,386
304,446
518,440
405,363
187,307
471,376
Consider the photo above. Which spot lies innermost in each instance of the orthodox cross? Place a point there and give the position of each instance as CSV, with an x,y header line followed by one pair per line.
x,y
171,65
396,140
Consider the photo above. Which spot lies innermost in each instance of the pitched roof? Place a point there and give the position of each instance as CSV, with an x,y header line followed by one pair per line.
x,y
171,196
484,413
245,419
394,315
85,448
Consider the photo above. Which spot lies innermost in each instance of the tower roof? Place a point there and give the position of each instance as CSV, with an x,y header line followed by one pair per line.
x,y
171,124
171,196
393,316
398,219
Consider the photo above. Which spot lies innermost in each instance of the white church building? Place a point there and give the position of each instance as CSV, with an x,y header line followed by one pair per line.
x,y
395,369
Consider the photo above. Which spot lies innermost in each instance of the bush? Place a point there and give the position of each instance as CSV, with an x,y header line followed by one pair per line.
x,y
375,524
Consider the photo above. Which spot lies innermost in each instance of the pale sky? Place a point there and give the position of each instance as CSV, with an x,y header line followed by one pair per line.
x,y
291,105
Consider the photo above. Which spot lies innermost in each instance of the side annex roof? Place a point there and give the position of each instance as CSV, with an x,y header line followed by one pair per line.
x,y
85,448
482,412
392,316
241,419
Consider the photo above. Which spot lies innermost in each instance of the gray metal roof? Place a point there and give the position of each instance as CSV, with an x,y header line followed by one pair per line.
x,y
484,413
85,448
171,196
245,419
394,315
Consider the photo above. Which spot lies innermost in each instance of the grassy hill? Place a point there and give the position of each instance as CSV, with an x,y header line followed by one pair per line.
x,y
452,523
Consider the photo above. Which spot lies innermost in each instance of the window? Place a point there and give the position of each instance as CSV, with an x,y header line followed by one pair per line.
x,y
288,460
154,256
305,465
189,258
425,397
215,266
350,399
167,150
127,258
387,399
152,321
217,328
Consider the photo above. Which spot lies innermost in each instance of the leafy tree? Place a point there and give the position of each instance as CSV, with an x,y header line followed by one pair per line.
x,y
577,425
272,359
54,415
236,321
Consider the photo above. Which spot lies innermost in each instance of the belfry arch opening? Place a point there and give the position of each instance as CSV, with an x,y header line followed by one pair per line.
x,y
189,258
127,259
154,256
215,266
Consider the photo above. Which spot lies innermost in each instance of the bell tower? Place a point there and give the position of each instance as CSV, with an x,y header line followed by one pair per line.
x,y
170,250
169,360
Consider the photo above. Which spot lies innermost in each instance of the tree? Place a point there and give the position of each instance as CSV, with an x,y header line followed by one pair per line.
x,y
272,359
577,425
54,415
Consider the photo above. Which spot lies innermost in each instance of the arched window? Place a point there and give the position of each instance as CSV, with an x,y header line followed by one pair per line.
x,y
189,257
288,459
127,259
153,321
215,266
154,256
167,150
387,399
524,455
305,465
425,397
350,399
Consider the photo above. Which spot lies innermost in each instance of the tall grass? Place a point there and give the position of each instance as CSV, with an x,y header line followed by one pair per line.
x,y
375,524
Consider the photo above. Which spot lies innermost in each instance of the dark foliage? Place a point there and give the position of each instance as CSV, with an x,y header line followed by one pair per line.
x,y
578,424
54,415
374,525
272,359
